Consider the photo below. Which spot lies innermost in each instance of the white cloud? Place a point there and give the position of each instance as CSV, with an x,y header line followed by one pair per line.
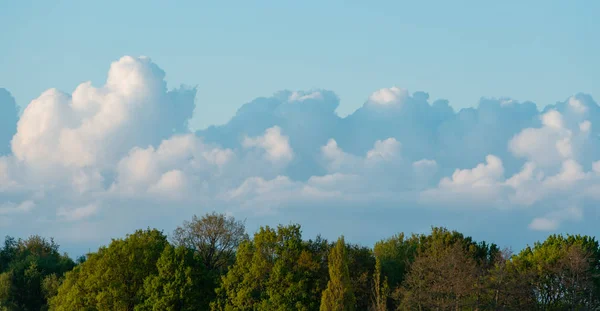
x,y
302,96
481,185
482,175
547,145
78,213
553,220
388,97
125,146
386,150
276,146
11,208
96,126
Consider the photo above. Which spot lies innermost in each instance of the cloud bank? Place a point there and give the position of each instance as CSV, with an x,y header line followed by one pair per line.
x,y
102,160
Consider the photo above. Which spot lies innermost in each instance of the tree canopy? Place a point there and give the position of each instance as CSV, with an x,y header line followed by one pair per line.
x,y
210,263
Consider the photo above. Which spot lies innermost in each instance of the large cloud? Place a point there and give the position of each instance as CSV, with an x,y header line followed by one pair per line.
x,y
103,160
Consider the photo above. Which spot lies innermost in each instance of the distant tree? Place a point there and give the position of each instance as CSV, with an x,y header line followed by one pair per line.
x,y
214,236
338,296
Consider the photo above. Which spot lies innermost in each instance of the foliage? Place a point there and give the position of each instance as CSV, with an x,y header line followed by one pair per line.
x,y
113,278
339,295
180,285
214,265
274,271
29,268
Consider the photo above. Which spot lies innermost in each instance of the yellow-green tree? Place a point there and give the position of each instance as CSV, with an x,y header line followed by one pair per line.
x,y
113,278
338,296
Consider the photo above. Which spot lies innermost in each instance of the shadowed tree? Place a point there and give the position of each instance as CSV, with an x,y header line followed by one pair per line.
x,y
27,264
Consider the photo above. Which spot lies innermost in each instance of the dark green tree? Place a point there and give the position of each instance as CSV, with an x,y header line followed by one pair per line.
x,y
180,285
26,264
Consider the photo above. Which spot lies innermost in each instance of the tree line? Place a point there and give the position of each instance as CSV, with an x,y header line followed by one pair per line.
x,y
210,263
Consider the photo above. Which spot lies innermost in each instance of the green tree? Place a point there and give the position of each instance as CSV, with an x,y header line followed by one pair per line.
x,y
338,296
449,271
26,263
361,264
276,270
113,278
563,272
180,285
381,289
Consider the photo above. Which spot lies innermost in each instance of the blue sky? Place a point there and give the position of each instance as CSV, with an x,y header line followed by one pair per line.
x,y
542,51
328,113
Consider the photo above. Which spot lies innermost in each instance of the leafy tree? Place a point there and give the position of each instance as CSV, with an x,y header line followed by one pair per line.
x,y
338,296
449,271
274,271
564,272
26,263
507,287
113,278
50,285
442,277
395,255
181,283
214,236
361,264
8,253
381,289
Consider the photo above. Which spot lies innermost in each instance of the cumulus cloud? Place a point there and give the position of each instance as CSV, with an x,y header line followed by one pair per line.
x,y
276,146
122,153
94,127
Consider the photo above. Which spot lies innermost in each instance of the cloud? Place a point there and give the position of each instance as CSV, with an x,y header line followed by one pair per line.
x,y
12,208
552,220
94,127
78,213
121,154
276,146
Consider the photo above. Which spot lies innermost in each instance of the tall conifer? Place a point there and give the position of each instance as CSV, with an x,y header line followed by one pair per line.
x,y
338,296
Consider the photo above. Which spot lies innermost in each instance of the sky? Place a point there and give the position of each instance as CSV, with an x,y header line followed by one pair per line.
x,y
350,117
